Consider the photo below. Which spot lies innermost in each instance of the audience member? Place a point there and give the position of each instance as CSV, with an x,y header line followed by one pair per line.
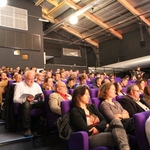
x,y
86,117
3,84
112,109
39,78
17,78
146,95
97,83
71,82
141,84
118,88
61,93
27,100
56,78
132,102
112,78
124,82
138,73
82,80
48,84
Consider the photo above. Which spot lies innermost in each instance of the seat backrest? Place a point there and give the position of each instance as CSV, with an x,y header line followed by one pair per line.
x,y
96,101
119,98
94,92
70,91
139,125
46,96
65,106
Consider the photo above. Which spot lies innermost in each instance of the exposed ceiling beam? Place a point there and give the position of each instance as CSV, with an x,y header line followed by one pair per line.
x,y
53,2
94,19
55,8
81,36
72,31
38,2
127,5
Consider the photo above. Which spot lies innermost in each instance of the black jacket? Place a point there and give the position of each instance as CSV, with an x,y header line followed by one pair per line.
x,y
131,106
78,119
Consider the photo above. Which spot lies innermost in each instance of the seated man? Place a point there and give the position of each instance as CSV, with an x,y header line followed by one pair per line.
x,y
132,102
27,100
56,97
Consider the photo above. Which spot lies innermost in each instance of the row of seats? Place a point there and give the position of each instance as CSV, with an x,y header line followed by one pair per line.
x,y
79,140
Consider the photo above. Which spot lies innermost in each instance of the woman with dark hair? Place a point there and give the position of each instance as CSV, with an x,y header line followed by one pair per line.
x,y
86,117
141,84
48,84
118,88
112,109
146,95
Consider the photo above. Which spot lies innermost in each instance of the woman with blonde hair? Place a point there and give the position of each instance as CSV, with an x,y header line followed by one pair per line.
x,y
112,109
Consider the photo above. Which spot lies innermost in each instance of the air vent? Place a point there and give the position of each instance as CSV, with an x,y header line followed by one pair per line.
x,y
13,17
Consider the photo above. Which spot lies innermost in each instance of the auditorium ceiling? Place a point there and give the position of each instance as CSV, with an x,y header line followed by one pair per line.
x,y
98,20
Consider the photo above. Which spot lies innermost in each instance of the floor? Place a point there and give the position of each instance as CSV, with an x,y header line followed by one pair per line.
x,y
16,141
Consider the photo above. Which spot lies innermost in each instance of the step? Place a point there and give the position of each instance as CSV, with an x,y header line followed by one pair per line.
x,y
9,137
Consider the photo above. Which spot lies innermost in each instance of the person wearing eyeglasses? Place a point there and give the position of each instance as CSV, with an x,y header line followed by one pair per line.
x,y
60,94
132,101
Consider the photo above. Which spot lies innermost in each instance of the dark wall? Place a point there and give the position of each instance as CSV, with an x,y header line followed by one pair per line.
x,y
53,49
116,50
28,42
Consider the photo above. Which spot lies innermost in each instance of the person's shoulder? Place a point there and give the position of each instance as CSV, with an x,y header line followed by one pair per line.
x,y
54,94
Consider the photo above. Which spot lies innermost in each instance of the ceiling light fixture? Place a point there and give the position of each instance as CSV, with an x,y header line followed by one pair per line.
x,y
73,20
43,20
3,3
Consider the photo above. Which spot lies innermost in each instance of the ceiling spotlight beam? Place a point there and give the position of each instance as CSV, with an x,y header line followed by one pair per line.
x,y
55,8
94,19
38,2
135,12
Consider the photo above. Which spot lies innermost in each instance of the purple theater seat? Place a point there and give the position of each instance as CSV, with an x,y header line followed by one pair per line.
x,y
119,98
33,112
51,117
79,140
70,91
96,101
124,89
139,125
94,92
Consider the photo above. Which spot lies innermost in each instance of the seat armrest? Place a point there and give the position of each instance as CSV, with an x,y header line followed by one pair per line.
x,y
78,141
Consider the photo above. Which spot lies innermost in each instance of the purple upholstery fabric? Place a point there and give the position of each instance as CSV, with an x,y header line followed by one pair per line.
x,y
94,92
51,117
139,123
119,98
70,91
96,101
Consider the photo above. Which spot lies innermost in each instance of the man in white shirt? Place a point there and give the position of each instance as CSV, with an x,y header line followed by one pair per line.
x,y
24,93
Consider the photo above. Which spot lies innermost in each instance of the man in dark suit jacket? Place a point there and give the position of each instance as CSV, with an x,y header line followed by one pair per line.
x,y
132,102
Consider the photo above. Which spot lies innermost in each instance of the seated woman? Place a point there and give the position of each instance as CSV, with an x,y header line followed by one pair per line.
x,y
71,82
141,84
146,95
48,84
86,117
118,88
112,109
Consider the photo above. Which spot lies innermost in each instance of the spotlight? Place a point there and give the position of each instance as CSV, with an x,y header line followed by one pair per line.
x,y
73,20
